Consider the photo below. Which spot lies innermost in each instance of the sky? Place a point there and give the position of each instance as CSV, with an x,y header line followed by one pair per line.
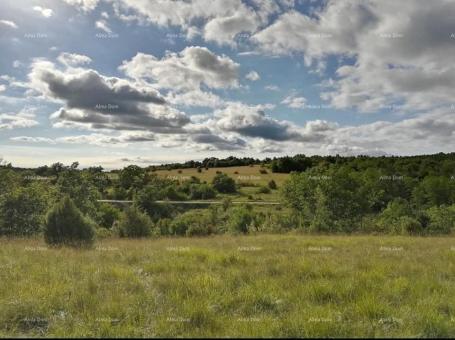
x,y
118,82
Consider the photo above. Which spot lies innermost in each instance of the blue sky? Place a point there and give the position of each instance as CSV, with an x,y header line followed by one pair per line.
x,y
114,82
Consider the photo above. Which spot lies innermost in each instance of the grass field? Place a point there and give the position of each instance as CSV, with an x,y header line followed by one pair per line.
x,y
250,174
269,285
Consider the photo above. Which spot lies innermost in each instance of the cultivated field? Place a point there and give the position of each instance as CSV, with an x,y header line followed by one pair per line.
x,y
269,285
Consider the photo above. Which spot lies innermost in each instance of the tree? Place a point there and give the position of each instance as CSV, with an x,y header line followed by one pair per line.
x,y
22,210
201,191
442,220
66,225
77,185
322,220
434,191
134,223
240,219
389,219
223,183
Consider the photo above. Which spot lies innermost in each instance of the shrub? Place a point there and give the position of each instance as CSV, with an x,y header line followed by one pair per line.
x,y
162,227
65,224
201,191
194,222
389,219
272,185
134,223
240,219
145,200
223,183
263,171
103,233
107,215
442,220
22,211
226,203
409,225
263,190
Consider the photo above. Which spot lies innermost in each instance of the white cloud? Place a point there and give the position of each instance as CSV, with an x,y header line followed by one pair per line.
x,y
253,76
102,25
294,102
73,59
22,119
85,5
395,59
8,23
45,12
194,98
272,88
190,69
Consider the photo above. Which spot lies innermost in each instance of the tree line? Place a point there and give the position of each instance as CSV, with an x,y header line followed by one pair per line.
x,y
393,195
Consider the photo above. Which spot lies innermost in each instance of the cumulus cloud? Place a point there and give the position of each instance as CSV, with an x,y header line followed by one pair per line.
x,y
45,12
100,102
8,24
73,59
102,25
84,5
190,69
272,88
195,98
23,119
252,121
253,76
219,21
395,59
209,141
294,102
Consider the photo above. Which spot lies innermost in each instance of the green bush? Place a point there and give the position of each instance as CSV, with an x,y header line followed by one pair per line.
x,y
65,224
145,200
409,225
134,223
190,223
201,191
263,190
272,185
240,220
442,220
389,219
223,183
103,233
107,215
22,211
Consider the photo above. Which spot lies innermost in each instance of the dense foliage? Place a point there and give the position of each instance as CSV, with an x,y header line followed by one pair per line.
x,y
65,224
394,195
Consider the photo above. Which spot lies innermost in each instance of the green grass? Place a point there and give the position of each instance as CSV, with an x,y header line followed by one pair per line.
x,y
223,286
250,174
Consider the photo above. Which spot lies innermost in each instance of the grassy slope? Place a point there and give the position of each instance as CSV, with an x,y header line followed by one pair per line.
x,y
245,174
265,285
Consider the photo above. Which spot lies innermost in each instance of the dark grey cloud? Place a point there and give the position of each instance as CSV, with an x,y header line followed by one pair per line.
x,y
106,102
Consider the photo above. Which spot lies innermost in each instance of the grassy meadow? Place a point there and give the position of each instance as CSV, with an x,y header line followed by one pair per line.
x,y
226,286
249,179
250,174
